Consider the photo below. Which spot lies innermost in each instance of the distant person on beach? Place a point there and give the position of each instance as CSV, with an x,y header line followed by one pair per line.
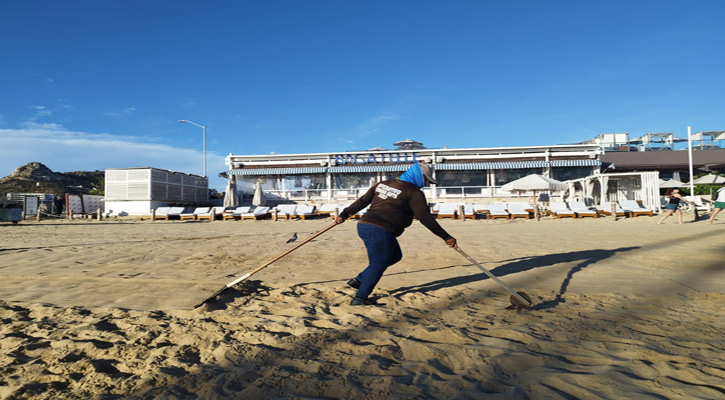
x,y
673,205
719,203
393,204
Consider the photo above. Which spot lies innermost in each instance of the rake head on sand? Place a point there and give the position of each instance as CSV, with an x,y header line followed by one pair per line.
x,y
265,265
519,300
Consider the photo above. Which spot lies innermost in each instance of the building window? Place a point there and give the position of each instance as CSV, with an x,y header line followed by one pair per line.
x,y
457,181
567,173
353,181
312,184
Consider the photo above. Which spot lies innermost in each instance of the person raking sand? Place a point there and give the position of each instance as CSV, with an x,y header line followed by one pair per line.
x,y
393,205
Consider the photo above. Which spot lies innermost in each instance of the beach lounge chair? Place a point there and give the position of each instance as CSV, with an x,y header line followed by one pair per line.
x,y
559,209
447,210
468,210
304,211
498,210
159,211
581,210
633,209
605,208
480,209
214,212
172,212
257,213
193,215
698,204
520,209
285,211
236,213
327,209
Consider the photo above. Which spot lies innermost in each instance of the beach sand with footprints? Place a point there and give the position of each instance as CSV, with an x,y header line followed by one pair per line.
x,y
104,309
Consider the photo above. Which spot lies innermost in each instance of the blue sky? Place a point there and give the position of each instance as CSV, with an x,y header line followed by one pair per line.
x,y
91,85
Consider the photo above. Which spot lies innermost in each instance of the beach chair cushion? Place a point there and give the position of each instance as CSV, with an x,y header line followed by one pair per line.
x,y
285,210
498,210
519,209
633,208
303,211
560,210
581,210
447,210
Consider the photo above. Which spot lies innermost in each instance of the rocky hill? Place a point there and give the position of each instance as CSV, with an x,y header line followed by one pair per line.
x,y
35,177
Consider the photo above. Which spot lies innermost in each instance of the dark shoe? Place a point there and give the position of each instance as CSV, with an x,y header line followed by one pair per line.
x,y
356,301
354,283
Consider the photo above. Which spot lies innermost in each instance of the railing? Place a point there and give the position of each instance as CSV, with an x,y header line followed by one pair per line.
x,y
441,192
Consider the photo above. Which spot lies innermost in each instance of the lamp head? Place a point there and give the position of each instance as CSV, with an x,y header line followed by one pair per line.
x,y
181,121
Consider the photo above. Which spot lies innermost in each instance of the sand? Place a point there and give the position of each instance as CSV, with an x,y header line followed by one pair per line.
x,y
104,310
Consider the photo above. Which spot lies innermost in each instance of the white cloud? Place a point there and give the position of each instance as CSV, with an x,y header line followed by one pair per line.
x,y
374,124
63,150
125,112
63,103
40,112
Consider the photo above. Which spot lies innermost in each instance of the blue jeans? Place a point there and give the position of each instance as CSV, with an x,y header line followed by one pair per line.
x,y
383,251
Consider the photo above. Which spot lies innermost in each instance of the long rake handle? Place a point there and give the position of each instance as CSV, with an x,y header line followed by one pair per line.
x,y
492,276
267,264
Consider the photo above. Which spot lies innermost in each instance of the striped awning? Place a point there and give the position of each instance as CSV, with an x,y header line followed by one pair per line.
x,y
491,165
402,167
516,165
575,163
278,171
370,168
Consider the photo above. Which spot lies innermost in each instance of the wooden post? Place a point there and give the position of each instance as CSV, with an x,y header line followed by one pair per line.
x,y
37,215
462,212
98,215
274,214
83,204
614,211
213,214
153,214
70,214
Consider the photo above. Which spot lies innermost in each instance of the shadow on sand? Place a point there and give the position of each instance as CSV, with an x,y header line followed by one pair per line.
x,y
587,258
243,289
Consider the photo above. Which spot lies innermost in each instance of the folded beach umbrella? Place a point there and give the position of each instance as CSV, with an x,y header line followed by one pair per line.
x,y
230,195
258,199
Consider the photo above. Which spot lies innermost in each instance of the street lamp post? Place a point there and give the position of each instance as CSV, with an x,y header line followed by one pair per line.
x,y
689,157
203,131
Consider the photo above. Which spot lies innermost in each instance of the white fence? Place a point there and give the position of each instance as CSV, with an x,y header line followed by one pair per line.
x,y
439,193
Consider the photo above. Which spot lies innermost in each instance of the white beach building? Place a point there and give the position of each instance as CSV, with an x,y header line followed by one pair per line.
x,y
469,174
136,191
